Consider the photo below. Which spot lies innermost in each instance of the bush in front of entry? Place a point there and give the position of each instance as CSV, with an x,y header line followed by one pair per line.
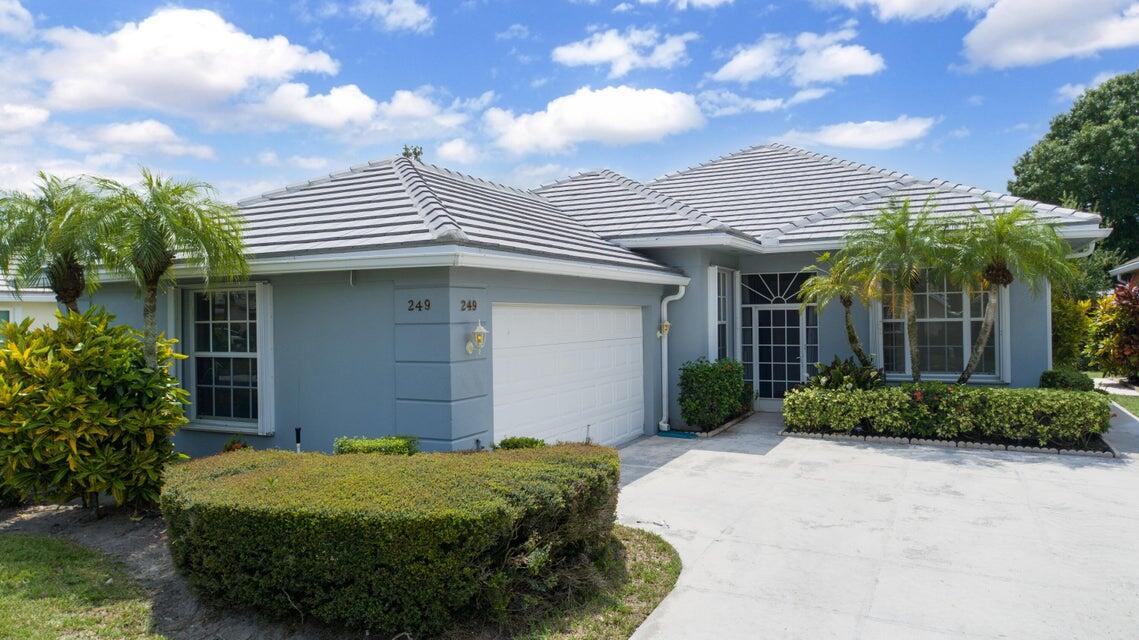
x,y
1043,417
521,442
393,544
711,393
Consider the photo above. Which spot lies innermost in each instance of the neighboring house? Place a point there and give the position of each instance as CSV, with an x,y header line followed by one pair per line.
x,y
37,304
1126,271
371,289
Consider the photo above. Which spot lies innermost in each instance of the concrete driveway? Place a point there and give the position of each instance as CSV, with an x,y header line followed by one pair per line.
x,y
794,538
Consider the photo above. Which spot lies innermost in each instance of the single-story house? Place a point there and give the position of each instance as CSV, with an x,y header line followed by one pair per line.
x,y
15,306
1126,271
402,298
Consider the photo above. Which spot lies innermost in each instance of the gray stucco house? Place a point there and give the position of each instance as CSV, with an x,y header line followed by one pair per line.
x,y
372,289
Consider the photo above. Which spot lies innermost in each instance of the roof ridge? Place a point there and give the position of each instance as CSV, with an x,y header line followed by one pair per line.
x,y
466,177
701,165
536,190
297,186
1008,198
439,222
823,214
861,166
674,205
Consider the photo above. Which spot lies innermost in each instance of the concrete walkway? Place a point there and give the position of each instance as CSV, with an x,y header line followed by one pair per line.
x,y
795,538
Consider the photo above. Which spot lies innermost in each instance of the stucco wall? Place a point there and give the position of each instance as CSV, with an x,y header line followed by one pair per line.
x,y
41,313
350,359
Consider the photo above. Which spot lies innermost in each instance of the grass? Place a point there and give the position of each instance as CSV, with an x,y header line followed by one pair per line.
x,y
1131,403
644,570
51,588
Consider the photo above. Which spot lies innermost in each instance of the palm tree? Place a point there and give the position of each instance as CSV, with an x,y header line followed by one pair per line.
x,y
55,234
893,252
163,221
842,282
995,249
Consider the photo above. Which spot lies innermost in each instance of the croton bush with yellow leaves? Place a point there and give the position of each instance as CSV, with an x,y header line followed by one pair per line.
x,y
81,414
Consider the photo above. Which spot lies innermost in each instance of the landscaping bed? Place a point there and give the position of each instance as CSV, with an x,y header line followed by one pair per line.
x,y
977,417
395,543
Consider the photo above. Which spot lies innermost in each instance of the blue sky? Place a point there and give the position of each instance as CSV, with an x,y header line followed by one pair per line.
x,y
251,95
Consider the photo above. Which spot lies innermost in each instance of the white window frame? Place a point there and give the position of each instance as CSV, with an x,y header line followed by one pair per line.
x,y
732,313
266,378
1001,333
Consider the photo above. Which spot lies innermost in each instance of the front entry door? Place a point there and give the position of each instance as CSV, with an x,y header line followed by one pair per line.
x,y
780,339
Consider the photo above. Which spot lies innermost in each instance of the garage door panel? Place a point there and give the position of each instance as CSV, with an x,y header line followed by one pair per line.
x,y
564,372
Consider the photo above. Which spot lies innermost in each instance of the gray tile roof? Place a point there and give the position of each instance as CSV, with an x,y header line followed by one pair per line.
x,y
617,207
398,203
784,195
1130,266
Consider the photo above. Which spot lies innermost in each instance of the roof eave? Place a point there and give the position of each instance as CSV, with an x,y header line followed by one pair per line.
x,y
712,239
441,256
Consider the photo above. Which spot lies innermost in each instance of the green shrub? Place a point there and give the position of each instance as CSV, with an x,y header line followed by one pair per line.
x,y
847,374
81,414
1061,378
1070,330
9,497
234,444
747,398
710,392
1113,342
393,544
521,442
391,445
1042,416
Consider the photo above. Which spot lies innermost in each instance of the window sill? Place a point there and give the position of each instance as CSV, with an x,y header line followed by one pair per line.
x,y
942,377
242,428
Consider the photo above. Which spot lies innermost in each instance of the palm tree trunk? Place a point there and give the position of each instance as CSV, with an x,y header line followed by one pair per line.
x,y
72,304
982,340
150,325
912,332
852,336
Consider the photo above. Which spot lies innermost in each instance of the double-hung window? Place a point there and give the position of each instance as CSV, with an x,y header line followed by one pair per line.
x,y
229,370
948,324
5,316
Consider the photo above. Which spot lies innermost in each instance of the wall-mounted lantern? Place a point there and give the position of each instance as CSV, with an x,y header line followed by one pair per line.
x,y
478,339
664,327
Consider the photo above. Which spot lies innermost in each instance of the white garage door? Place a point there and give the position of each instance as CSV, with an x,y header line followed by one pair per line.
x,y
567,373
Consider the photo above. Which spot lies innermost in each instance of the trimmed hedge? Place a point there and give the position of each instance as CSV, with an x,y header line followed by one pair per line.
x,y
1066,379
711,393
392,445
393,544
521,442
934,410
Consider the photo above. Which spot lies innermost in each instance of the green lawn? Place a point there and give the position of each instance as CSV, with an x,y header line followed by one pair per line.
x,y
1131,403
51,588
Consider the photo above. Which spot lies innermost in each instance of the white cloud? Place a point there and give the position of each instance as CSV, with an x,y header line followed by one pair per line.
x,y
871,134
623,7
809,58
726,103
623,52
961,132
341,106
915,9
824,58
417,115
458,150
613,115
528,176
515,31
135,138
177,60
696,4
1030,32
269,158
975,100
15,20
764,59
1070,91
311,163
396,15
21,117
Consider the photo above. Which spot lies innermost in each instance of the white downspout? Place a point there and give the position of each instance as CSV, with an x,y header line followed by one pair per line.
x,y
663,335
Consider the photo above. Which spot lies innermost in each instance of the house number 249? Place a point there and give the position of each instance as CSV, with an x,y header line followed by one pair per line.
x,y
468,305
423,304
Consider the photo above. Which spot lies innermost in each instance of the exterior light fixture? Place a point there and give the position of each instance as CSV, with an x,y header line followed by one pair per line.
x,y
478,339
664,327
